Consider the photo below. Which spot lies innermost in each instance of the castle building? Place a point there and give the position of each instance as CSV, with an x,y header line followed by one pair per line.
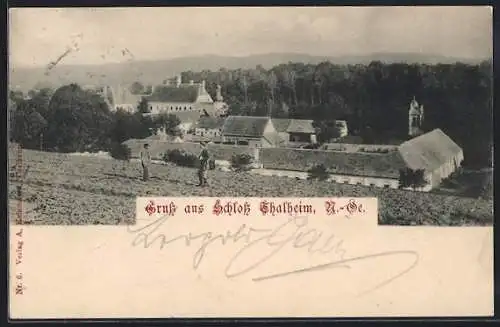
x,y
415,118
173,96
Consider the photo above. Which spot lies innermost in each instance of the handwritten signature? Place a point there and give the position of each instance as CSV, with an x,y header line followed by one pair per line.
x,y
294,232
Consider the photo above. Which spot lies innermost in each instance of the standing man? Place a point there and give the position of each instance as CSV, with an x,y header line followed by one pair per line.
x,y
202,171
145,161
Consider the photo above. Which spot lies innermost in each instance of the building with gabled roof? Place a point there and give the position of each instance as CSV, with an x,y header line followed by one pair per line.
x,y
301,130
209,127
249,130
434,152
174,96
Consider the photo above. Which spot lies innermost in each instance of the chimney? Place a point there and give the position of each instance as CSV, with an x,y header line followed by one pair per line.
x,y
178,80
191,82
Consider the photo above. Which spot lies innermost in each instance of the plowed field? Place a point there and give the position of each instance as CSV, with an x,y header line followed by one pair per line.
x,y
69,189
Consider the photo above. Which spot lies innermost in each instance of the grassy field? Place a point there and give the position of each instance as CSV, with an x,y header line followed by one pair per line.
x,y
68,189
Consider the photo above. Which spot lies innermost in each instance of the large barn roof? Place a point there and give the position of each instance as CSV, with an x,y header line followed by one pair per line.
x,y
344,163
281,124
208,122
301,126
188,116
429,151
182,94
245,126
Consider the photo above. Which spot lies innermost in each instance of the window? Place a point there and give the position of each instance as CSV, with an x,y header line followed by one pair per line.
x,y
359,183
346,182
184,108
386,186
372,185
202,133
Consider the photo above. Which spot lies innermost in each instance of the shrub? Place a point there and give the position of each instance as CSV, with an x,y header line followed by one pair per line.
x,y
120,151
414,179
241,161
318,172
181,158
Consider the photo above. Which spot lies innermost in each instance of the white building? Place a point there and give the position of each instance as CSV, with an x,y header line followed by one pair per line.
x,y
175,96
434,153
209,127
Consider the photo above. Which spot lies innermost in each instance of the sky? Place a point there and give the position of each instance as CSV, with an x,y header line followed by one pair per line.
x,y
38,36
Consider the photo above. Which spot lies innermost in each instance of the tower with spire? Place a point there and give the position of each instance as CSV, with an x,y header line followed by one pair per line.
x,y
415,118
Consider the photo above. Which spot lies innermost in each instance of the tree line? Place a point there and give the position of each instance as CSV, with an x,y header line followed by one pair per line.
x,y
374,99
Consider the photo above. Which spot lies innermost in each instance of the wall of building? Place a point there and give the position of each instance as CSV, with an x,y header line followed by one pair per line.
x,y
302,137
212,132
157,107
358,147
127,107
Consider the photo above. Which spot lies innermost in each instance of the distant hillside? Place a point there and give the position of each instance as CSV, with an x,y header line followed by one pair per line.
x,y
156,71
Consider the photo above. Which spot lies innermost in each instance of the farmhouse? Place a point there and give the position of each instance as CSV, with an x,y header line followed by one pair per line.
x,y
292,131
209,127
252,131
301,130
435,153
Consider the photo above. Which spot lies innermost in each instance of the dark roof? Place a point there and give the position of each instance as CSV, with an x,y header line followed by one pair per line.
x,y
345,163
167,93
210,122
281,124
301,126
429,151
245,126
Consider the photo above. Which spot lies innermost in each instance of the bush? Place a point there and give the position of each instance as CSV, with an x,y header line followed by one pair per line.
x,y
241,161
120,151
181,158
318,172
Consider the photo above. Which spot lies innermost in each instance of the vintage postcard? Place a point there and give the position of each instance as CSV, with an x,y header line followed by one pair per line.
x,y
250,162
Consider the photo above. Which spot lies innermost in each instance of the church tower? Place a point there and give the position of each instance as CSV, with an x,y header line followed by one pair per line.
x,y
415,118
218,95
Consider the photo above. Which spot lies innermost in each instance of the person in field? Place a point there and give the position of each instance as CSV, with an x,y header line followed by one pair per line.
x,y
146,162
204,162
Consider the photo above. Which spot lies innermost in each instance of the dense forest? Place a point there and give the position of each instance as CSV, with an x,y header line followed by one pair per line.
x,y
374,99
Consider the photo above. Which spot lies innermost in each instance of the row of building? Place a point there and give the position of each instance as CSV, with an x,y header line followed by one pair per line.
x,y
278,141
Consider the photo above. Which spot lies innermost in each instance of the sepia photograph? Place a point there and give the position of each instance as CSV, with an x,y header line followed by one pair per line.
x,y
107,105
